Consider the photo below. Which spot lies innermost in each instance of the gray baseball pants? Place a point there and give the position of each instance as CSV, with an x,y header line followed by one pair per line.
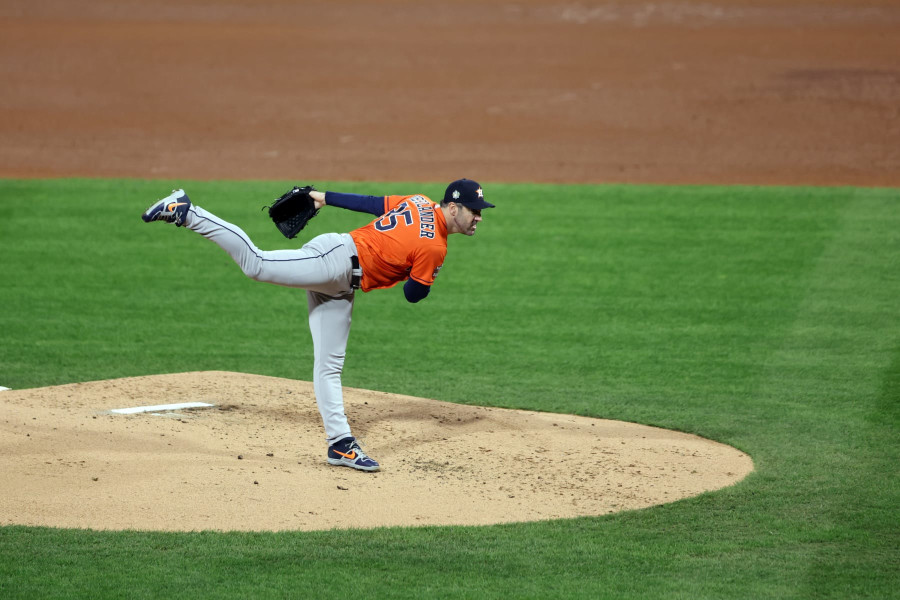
x,y
323,268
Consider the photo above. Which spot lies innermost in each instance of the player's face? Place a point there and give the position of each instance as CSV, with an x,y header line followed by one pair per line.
x,y
467,219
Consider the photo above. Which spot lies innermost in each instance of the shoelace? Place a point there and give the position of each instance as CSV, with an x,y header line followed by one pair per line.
x,y
359,451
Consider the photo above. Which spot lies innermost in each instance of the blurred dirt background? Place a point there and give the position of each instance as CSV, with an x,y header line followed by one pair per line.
x,y
676,91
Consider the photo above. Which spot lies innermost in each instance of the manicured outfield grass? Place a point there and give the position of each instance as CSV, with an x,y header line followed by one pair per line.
x,y
765,318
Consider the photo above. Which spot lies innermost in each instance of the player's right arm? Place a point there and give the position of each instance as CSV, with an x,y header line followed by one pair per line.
x,y
426,263
415,291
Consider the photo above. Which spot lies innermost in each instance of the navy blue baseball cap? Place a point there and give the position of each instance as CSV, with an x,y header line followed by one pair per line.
x,y
468,193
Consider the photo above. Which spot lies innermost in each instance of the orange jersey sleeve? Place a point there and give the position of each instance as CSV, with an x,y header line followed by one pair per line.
x,y
408,241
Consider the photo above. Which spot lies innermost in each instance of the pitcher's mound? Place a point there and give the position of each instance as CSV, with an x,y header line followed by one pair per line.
x,y
255,460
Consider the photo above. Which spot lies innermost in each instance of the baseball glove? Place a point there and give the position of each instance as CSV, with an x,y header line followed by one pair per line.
x,y
293,210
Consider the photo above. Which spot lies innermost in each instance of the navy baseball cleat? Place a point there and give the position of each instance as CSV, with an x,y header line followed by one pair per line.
x,y
171,209
347,453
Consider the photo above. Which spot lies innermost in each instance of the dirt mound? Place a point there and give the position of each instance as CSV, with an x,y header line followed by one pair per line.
x,y
255,460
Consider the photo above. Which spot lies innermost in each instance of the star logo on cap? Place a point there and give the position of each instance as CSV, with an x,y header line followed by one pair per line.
x,y
480,193
456,194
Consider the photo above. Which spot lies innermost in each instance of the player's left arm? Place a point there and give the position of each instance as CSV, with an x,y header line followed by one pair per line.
x,y
375,205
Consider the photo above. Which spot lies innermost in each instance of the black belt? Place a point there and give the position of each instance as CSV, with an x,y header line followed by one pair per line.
x,y
355,273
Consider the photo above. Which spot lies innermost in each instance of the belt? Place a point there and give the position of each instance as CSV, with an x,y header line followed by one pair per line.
x,y
355,272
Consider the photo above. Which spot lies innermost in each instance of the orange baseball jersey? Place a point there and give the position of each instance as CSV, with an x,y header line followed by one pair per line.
x,y
408,241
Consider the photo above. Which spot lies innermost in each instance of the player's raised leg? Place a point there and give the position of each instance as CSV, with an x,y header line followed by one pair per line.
x,y
306,267
323,264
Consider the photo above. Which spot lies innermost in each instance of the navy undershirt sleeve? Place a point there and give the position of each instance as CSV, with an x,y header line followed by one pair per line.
x,y
415,291
367,204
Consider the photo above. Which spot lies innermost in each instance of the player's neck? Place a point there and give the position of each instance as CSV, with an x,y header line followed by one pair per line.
x,y
449,220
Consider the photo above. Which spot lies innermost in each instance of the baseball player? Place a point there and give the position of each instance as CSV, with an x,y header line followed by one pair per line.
x,y
407,241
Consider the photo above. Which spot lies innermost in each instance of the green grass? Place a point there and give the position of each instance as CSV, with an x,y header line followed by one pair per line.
x,y
765,318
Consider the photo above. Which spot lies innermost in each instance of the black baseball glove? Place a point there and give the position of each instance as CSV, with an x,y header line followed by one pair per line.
x,y
293,210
